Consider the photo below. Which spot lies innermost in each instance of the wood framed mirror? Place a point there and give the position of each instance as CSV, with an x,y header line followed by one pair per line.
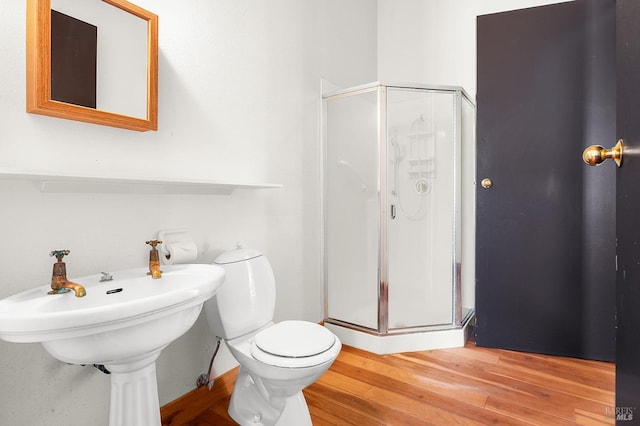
x,y
39,70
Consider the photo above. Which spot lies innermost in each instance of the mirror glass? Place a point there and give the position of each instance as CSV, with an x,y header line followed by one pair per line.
x,y
120,53
118,75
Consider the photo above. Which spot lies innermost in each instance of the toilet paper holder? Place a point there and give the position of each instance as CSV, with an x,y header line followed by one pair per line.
x,y
178,246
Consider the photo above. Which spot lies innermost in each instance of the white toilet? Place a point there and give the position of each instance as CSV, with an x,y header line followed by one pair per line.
x,y
276,360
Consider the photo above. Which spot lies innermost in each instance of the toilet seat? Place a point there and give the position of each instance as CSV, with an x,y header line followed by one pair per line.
x,y
294,344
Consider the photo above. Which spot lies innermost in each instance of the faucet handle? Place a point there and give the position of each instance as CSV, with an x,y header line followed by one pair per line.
x,y
59,254
153,243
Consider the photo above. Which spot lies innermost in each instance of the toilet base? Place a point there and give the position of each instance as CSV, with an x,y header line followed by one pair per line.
x,y
251,405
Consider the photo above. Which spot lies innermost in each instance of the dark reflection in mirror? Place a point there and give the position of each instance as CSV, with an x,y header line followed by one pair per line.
x,y
73,60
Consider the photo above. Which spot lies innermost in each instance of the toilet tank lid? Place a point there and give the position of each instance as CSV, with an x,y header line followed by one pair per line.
x,y
237,255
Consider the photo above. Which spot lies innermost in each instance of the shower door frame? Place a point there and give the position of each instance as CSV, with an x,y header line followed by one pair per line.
x,y
458,319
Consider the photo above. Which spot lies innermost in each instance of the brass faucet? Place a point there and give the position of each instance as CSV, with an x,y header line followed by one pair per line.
x,y
154,260
59,282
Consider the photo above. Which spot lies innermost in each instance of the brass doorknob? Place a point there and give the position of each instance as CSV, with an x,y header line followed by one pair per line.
x,y
596,154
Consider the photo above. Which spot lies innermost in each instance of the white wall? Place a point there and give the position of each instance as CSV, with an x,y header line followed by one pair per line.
x,y
238,101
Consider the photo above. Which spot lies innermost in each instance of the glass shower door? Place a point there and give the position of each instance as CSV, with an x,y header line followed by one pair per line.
x,y
423,193
352,211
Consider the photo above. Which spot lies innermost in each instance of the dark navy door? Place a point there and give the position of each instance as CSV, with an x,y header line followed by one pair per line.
x,y
545,247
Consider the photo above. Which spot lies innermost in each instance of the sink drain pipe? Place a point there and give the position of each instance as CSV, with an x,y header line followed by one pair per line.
x,y
207,379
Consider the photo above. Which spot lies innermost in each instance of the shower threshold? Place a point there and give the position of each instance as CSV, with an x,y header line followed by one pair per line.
x,y
403,340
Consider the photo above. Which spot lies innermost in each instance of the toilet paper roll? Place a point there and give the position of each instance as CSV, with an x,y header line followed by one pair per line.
x,y
180,252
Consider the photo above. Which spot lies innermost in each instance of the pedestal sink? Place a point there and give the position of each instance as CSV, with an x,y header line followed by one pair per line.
x,y
122,324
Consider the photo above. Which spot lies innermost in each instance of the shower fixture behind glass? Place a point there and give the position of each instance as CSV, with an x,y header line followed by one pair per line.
x,y
392,203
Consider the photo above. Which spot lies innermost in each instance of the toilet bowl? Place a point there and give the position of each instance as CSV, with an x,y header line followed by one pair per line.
x,y
277,360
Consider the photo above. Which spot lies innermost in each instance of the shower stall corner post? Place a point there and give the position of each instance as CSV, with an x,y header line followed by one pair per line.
x,y
323,209
383,269
468,207
457,214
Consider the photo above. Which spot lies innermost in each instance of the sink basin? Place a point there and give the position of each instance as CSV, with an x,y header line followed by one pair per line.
x,y
123,324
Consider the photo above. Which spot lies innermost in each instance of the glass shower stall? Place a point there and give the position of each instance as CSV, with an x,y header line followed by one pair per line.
x,y
393,196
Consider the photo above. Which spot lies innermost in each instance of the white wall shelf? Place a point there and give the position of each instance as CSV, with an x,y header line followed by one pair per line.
x,y
58,183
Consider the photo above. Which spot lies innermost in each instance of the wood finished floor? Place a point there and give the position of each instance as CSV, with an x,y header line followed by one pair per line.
x,y
462,386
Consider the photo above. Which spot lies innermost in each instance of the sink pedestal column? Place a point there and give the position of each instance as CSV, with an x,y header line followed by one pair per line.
x,y
134,393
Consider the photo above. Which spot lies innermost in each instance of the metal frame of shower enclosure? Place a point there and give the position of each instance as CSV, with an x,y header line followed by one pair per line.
x,y
458,320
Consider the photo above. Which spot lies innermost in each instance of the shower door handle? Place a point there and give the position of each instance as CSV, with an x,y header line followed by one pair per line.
x,y
393,211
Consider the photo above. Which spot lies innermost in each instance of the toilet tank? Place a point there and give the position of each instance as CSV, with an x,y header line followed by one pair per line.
x,y
246,300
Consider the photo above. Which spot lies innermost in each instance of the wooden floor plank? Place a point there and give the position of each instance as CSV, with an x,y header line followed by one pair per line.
x,y
592,419
348,407
442,383
422,401
576,373
327,411
220,411
188,407
460,386
530,414
504,390
532,382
